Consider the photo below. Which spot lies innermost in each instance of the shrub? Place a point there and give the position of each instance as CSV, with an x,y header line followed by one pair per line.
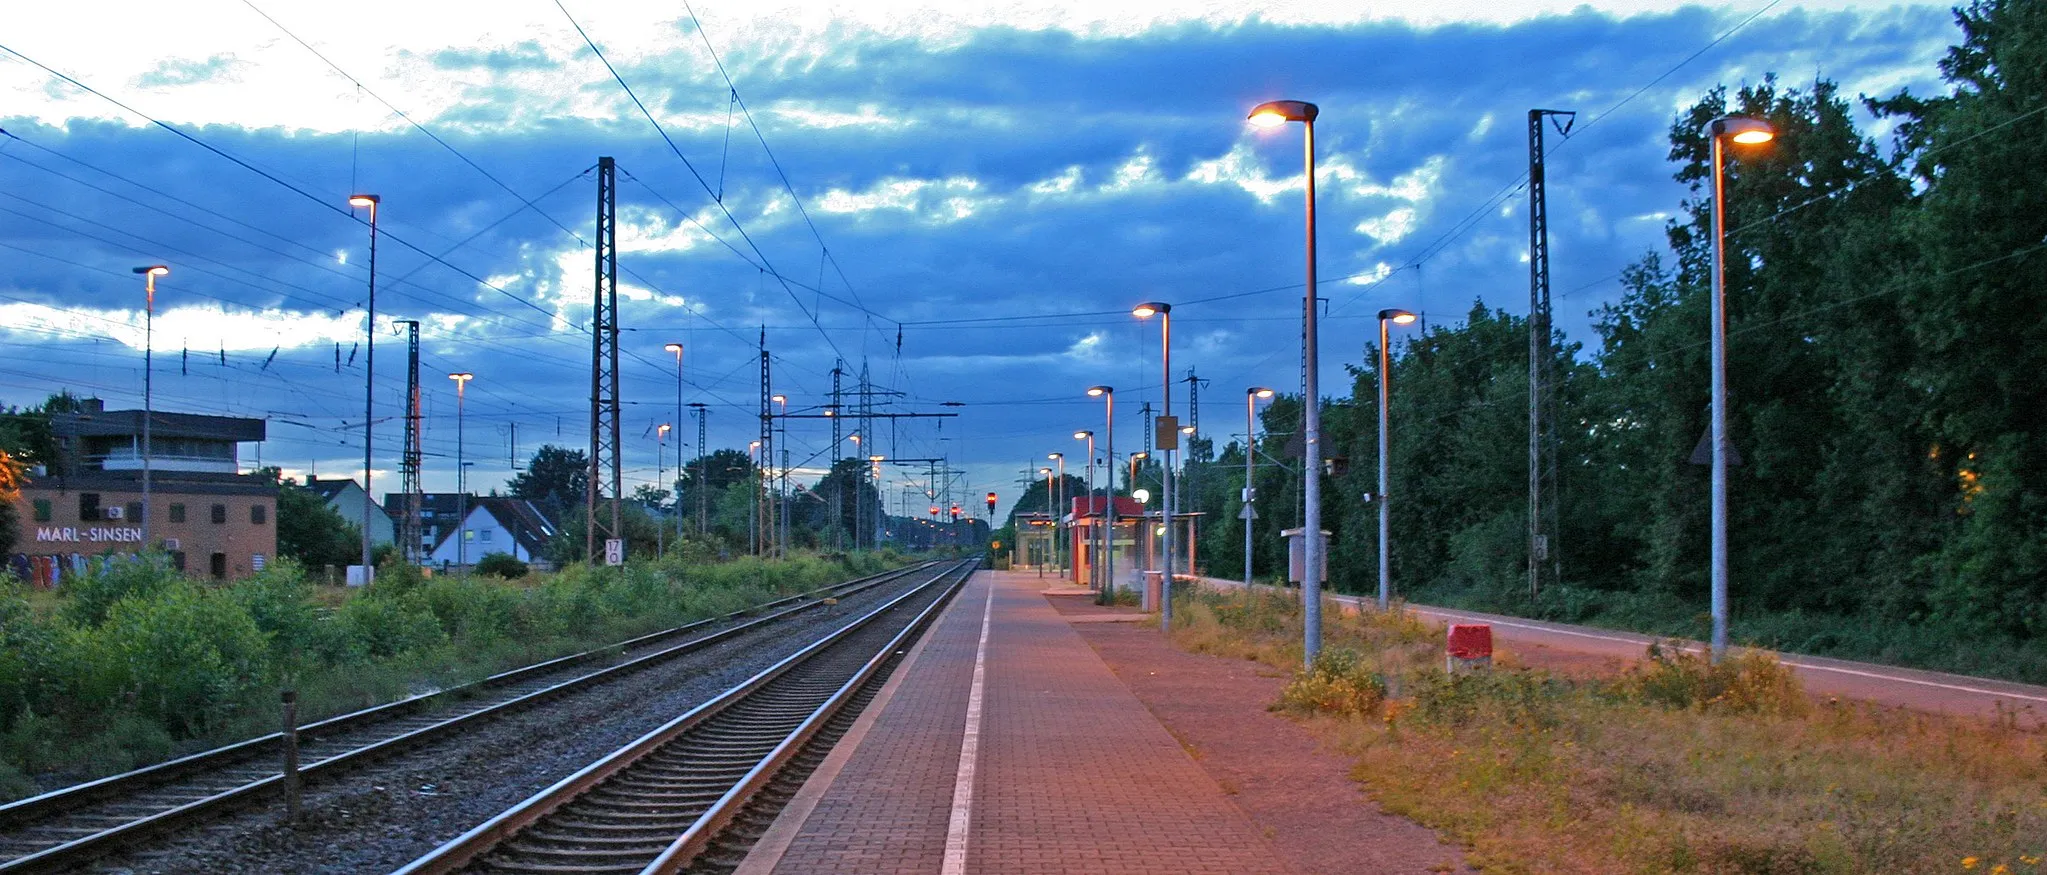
x,y
501,565
1748,682
88,599
372,626
280,602
1339,683
184,656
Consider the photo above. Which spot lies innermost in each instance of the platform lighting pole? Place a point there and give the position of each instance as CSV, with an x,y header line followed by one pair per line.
x,y
677,349
461,476
1166,454
1251,397
753,522
1094,557
149,274
781,518
1058,510
1054,544
1108,591
1386,317
1269,115
1745,131
660,473
369,380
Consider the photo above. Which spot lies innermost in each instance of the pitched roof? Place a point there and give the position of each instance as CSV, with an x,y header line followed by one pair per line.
x,y
529,526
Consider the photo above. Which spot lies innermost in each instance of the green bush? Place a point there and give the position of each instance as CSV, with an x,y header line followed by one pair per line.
x,y
1748,682
1339,683
501,565
88,599
373,626
184,656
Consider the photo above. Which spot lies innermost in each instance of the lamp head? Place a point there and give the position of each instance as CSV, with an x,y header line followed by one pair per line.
x,y
1055,456
674,348
1186,429
462,377
1149,309
874,458
1258,392
1396,316
1083,435
1099,391
1142,495
1746,131
1274,113
1140,454
779,399
663,429
153,270
363,200
1045,471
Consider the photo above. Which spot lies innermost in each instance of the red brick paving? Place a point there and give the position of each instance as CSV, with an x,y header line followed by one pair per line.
x,y
1075,775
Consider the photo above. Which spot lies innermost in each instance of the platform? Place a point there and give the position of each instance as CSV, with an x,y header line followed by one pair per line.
x,y
1064,771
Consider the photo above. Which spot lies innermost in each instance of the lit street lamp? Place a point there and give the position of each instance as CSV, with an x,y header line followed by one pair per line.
x,y
461,476
1048,512
1395,317
1059,505
1108,396
149,274
781,519
677,349
369,404
660,473
1251,397
1094,558
1165,313
1748,132
1271,115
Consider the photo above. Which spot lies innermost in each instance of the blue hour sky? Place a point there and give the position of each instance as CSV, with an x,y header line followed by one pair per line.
x,y
963,202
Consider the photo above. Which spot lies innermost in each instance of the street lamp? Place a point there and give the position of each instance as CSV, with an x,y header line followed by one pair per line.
x,y
1271,115
753,452
1386,317
461,476
1048,512
1108,591
1165,313
1059,505
1745,131
1251,397
369,404
149,274
1094,556
660,474
677,349
781,520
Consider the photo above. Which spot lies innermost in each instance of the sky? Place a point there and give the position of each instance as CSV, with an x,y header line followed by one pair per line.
x,y
961,201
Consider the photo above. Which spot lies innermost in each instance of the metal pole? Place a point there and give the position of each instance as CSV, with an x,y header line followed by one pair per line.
x,y
660,474
1250,448
148,390
1719,415
1311,428
1109,513
461,483
1166,462
1385,503
369,397
290,731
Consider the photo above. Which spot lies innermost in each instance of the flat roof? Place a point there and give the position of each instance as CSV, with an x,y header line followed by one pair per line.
x,y
124,423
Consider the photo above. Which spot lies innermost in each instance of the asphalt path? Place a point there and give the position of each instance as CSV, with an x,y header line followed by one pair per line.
x,y
1537,642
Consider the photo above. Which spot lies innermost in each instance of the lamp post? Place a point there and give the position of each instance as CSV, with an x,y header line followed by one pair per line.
x,y
1386,317
1094,555
1054,544
781,518
149,274
677,349
461,476
1059,504
369,404
1251,397
1269,115
1165,313
1108,591
1745,131
753,453
660,474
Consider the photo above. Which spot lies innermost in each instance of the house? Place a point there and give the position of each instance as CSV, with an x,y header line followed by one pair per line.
x,y
347,497
207,516
487,525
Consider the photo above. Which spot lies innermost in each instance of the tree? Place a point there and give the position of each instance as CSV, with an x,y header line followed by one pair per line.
x,y
556,478
12,473
309,529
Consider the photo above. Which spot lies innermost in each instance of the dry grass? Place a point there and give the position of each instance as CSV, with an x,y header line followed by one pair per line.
x,y
1679,766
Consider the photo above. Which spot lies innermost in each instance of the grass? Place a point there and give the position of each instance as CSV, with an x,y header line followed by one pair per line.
x,y
1678,766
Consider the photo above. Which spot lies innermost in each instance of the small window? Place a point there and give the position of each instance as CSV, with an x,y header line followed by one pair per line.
x,y
468,534
219,563
220,518
177,514
42,510
178,560
483,535
258,514
88,506
135,512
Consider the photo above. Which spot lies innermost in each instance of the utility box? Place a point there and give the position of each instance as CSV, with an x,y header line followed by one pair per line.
x,y
1468,647
1297,555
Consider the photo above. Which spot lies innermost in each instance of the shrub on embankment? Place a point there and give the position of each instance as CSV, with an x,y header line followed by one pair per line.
x,y
141,664
1675,765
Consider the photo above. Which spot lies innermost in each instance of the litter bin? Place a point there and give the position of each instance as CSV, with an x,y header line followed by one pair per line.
x,y
1154,586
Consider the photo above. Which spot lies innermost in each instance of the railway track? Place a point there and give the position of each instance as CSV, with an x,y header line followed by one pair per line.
x,y
67,827
659,803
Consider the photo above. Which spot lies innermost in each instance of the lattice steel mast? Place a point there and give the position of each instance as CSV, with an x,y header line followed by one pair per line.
x,y
1542,464
604,394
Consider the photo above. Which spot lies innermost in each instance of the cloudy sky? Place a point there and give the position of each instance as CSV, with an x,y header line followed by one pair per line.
x,y
960,200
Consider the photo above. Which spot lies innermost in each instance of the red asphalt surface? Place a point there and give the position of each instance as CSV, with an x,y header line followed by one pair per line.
x,y
1929,691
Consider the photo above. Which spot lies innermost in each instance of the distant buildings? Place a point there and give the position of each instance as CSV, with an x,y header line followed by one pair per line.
x,y
347,497
457,530
210,519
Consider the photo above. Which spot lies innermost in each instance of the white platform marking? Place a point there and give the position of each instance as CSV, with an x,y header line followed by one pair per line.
x,y
970,749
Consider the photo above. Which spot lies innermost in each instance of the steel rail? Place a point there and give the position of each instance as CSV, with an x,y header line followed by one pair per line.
x,y
668,750
231,775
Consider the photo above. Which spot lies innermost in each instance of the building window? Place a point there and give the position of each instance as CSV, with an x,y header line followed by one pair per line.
x,y
177,513
178,560
42,510
88,506
258,514
135,512
219,564
220,518
483,535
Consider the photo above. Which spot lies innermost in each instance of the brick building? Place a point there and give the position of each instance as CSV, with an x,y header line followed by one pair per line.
x,y
212,520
